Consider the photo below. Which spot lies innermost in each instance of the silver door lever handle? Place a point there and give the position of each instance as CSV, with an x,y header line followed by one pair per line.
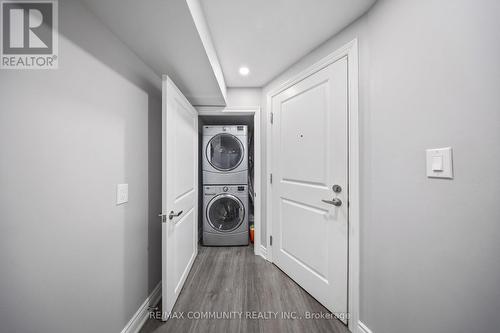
x,y
335,201
172,214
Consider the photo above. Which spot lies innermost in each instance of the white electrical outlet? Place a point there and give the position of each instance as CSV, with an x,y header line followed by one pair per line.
x,y
121,193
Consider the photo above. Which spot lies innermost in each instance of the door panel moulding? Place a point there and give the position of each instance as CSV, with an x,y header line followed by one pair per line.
x,y
350,51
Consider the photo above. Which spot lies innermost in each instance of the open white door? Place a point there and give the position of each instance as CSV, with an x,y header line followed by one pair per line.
x,y
310,173
179,191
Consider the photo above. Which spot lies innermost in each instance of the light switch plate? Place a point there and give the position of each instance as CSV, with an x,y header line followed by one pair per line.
x,y
440,163
121,193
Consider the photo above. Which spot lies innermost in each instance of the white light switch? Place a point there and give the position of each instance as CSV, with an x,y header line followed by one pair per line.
x,y
121,193
439,163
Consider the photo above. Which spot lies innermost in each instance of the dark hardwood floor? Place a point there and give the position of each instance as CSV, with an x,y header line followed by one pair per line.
x,y
232,281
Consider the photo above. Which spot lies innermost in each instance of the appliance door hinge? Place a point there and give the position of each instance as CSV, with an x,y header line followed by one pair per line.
x,y
272,117
271,240
271,178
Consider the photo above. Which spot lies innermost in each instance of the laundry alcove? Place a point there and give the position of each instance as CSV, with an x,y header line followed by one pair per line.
x,y
244,152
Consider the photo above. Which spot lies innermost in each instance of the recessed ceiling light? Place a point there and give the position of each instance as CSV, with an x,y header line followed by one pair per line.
x,y
244,71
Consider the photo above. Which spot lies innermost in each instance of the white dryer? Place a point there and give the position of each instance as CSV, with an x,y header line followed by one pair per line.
x,y
225,155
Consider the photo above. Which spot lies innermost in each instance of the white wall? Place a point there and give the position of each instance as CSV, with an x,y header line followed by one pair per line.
x,y
429,77
71,260
243,96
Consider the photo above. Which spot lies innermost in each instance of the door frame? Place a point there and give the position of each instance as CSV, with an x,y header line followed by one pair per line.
x,y
255,112
349,50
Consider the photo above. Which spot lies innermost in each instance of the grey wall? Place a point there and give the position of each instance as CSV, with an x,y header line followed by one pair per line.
x,y
70,259
429,77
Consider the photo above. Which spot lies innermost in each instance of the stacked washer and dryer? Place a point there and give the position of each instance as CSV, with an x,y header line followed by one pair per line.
x,y
225,185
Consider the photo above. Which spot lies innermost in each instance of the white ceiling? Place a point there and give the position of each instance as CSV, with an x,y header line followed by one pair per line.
x,y
268,36
171,37
201,44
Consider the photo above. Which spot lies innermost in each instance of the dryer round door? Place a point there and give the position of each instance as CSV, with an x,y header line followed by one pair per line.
x,y
225,213
224,152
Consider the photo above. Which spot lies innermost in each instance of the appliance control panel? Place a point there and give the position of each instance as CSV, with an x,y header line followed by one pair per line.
x,y
231,129
231,189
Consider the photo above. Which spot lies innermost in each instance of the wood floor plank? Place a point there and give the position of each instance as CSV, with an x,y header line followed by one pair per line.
x,y
227,280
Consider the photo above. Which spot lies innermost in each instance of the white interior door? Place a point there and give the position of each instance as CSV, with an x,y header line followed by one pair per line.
x,y
309,140
179,191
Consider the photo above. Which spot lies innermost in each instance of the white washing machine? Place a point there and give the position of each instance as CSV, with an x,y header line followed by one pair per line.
x,y
225,215
225,155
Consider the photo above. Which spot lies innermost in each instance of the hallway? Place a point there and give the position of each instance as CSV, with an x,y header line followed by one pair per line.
x,y
224,280
354,144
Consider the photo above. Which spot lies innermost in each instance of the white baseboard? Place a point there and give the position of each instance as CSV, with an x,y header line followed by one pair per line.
x,y
139,318
362,328
263,251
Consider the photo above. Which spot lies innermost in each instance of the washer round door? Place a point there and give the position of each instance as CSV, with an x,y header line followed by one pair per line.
x,y
225,213
224,152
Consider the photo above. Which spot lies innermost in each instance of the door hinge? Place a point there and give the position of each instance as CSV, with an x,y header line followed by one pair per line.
x,y
271,240
272,117
271,178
